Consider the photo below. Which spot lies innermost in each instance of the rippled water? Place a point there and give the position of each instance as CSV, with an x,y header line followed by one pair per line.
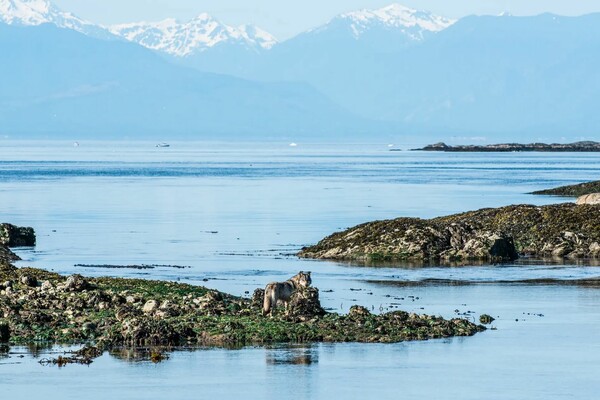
x,y
236,213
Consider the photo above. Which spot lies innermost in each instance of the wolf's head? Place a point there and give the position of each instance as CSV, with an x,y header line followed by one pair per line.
x,y
302,279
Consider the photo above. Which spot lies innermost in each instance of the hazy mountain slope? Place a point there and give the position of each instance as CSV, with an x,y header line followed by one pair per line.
x,y
535,75
59,82
499,76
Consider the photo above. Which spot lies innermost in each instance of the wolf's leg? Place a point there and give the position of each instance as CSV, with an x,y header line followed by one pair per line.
x,y
268,301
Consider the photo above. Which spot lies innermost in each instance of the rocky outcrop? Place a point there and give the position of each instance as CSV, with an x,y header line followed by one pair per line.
x,y
305,305
489,235
108,312
593,198
585,146
6,256
14,236
572,190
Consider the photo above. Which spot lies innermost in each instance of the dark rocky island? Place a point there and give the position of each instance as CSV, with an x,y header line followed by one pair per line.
x,y
489,235
41,306
577,190
586,146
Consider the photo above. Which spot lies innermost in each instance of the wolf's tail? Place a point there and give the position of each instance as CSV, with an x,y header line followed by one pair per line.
x,y
267,300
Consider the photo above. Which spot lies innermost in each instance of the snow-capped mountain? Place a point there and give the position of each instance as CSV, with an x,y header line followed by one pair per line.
x,y
37,12
198,35
395,17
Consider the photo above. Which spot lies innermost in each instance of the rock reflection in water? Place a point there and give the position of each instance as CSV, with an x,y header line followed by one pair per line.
x,y
295,355
37,349
141,354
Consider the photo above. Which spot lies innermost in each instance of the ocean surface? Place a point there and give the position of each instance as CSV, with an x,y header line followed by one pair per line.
x,y
233,215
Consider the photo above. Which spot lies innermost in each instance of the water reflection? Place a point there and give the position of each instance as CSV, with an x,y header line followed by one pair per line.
x,y
141,354
37,349
294,355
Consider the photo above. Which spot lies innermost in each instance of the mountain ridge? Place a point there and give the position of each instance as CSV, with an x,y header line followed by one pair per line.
x,y
197,35
37,12
63,84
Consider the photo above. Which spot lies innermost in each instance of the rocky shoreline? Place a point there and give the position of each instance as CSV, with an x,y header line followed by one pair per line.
x,y
580,189
585,146
41,306
489,235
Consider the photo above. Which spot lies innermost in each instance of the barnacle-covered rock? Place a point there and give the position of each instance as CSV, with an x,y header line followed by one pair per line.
x,y
487,235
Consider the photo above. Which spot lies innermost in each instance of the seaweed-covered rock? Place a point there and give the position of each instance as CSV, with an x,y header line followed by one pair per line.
x,y
4,331
75,283
257,299
304,304
15,236
577,190
358,312
6,257
28,280
488,235
191,315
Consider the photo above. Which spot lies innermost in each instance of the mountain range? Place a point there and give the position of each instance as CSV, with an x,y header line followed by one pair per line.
x,y
58,83
372,74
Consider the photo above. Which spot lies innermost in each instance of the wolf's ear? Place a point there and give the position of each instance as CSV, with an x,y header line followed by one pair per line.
x,y
307,273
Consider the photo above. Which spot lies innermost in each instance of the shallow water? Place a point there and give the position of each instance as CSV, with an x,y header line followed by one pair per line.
x,y
554,356
236,214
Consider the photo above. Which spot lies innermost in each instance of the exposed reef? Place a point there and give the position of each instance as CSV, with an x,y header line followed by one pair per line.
x,y
491,235
577,190
41,306
585,146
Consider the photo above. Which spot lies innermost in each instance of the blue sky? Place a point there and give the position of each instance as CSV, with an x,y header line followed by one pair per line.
x,y
285,18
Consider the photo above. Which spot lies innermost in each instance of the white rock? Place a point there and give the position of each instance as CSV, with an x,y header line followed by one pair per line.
x,y
593,198
150,306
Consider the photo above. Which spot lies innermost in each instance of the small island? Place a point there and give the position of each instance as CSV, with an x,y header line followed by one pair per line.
x,y
584,146
38,306
488,235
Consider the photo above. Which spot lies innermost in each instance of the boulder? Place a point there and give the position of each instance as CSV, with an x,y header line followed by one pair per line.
x,y
150,306
304,304
593,198
15,236
75,283
257,298
30,281
358,312
46,286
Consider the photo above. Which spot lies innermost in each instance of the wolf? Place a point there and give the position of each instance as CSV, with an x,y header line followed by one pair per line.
x,y
282,291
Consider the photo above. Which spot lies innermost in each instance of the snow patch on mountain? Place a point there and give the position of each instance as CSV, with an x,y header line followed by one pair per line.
x,y
37,12
395,16
199,34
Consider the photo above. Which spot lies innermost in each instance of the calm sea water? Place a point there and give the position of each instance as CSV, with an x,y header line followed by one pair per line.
x,y
236,213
